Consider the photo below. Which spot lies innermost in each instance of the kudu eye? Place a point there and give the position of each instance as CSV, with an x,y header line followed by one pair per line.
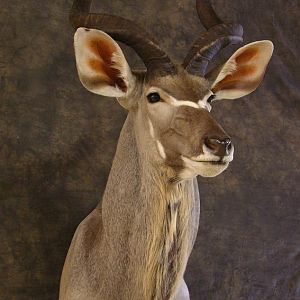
x,y
153,97
211,98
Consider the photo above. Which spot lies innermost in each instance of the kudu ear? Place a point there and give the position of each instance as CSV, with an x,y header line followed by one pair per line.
x,y
244,71
101,64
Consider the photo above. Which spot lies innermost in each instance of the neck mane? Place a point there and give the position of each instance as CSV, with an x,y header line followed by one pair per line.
x,y
146,220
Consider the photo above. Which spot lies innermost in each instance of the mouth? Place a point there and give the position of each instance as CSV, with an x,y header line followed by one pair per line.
x,y
212,162
205,167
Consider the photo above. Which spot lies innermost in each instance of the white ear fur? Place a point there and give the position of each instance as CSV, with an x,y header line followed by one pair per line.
x,y
101,65
244,71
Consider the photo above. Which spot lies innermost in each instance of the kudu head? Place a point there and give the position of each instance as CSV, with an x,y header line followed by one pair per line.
x,y
170,103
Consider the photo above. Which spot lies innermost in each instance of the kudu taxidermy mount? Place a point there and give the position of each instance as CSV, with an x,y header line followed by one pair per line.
x,y
135,244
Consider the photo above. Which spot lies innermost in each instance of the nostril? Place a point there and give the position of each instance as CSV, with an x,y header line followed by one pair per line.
x,y
217,146
211,144
228,146
225,141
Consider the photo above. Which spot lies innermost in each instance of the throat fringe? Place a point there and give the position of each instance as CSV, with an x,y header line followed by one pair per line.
x,y
167,236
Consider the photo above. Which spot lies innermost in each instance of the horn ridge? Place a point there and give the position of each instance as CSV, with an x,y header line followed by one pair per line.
x,y
218,36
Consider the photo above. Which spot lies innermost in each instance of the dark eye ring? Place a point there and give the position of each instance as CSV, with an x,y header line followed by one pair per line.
x,y
153,97
211,98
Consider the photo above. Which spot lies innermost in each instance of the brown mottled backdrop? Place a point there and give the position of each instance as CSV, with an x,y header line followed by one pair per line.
x,y
57,142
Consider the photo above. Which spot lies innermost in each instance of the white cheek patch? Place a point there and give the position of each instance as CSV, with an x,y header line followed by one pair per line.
x,y
161,149
151,128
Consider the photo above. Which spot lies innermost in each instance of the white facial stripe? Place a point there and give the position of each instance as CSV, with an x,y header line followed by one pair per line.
x,y
161,149
151,128
176,102
173,101
202,104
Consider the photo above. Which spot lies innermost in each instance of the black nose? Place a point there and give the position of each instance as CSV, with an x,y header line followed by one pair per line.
x,y
217,146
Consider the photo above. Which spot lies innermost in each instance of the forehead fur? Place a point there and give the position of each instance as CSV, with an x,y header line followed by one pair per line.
x,y
181,86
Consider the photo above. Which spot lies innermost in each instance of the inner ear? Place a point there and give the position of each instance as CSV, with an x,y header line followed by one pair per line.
x,y
244,71
101,64
107,62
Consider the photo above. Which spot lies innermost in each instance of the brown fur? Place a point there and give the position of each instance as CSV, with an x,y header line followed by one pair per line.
x,y
139,226
136,243
138,240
